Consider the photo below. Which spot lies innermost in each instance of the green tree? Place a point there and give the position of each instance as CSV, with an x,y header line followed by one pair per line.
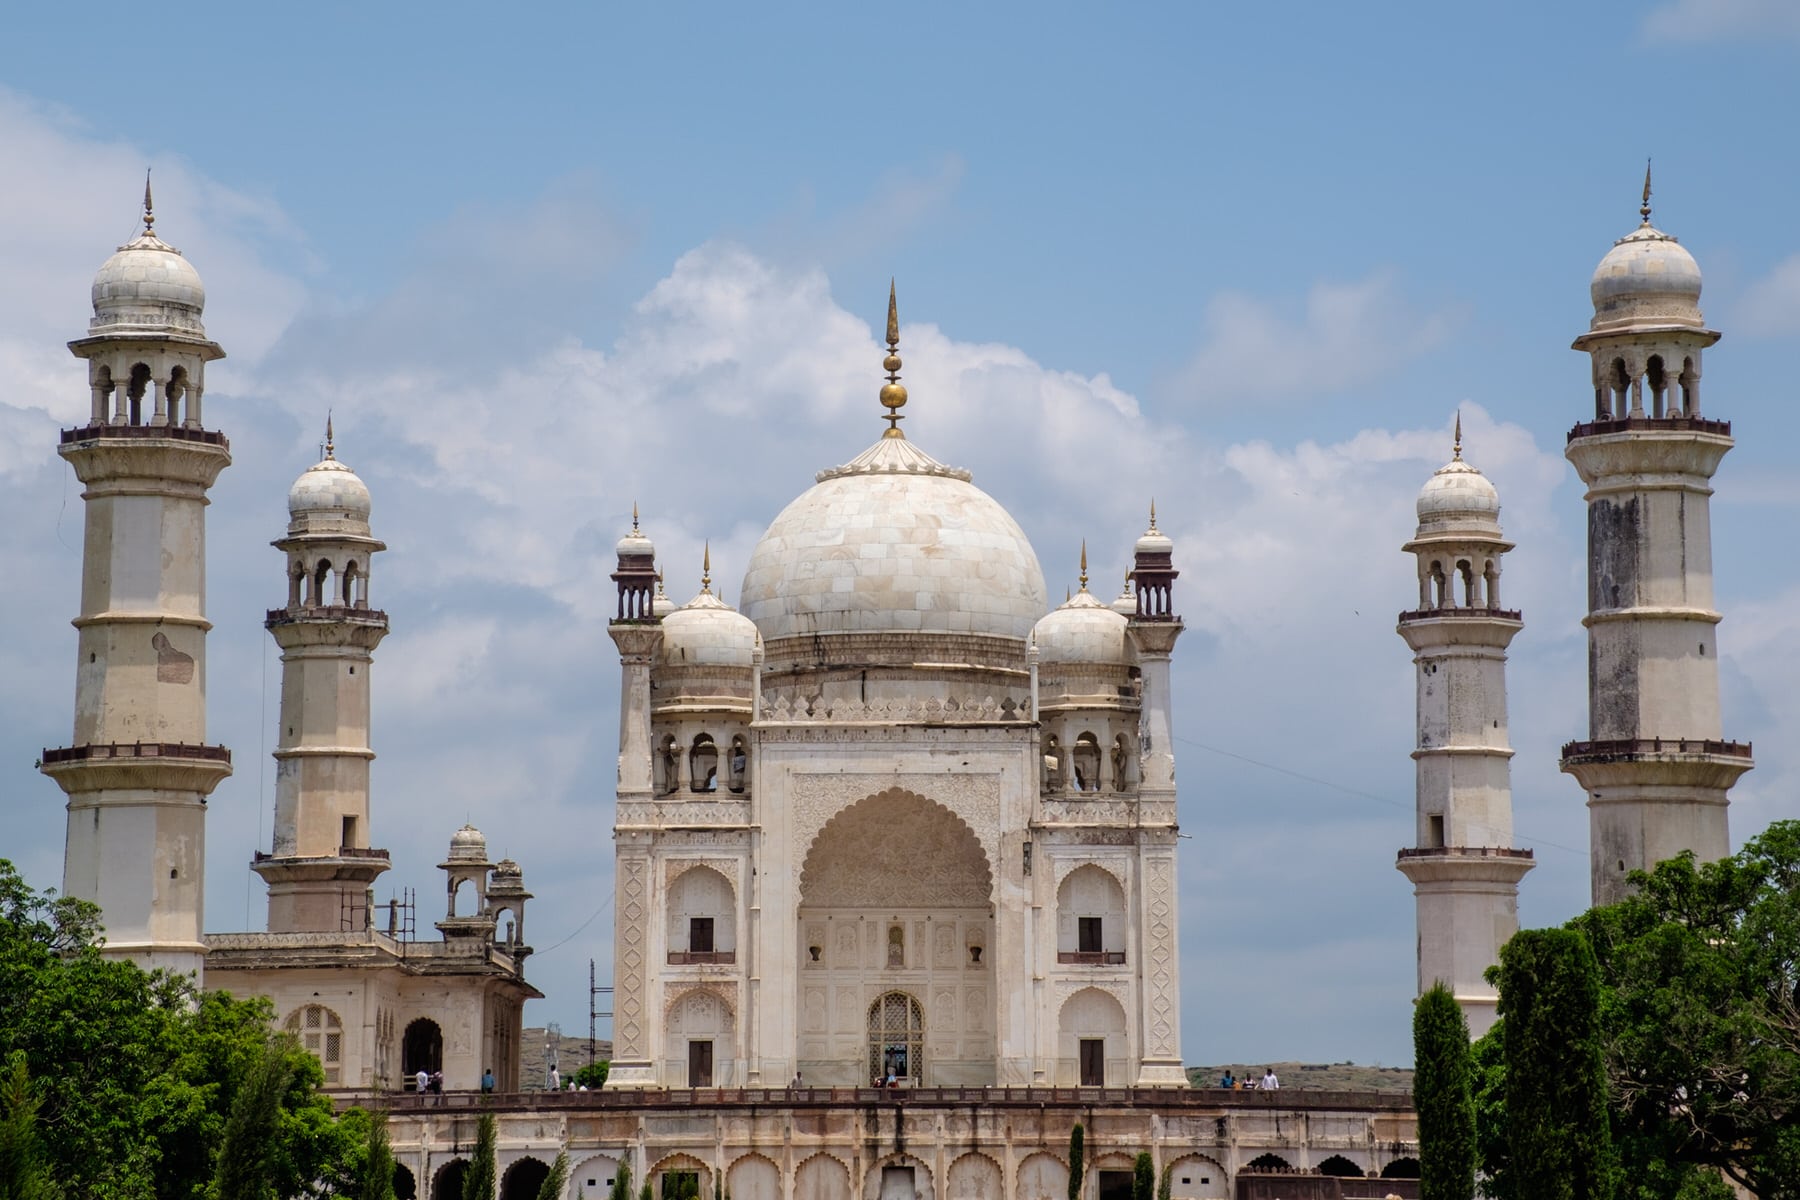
x,y
1143,1177
1076,1166
621,1187
24,1170
1443,1097
592,1076
1166,1187
1558,1140
556,1180
483,1172
246,1163
376,1178
136,1074
1700,970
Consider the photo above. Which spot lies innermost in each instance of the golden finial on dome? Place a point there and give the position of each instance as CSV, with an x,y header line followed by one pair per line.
x,y
634,525
1153,514
149,208
1644,208
1084,564
706,570
893,396
330,445
1456,446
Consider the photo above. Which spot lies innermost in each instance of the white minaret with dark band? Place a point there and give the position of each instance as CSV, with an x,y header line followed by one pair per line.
x,y
1655,764
1464,870
138,770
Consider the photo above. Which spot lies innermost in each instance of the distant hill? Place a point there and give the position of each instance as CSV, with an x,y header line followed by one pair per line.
x,y
1326,1076
533,1051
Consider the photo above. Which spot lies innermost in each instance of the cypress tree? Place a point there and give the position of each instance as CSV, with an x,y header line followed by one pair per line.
x,y
1143,1177
378,1163
1075,1164
621,1188
1164,1188
556,1180
24,1173
479,1180
245,1169
1443,1097
1559,1144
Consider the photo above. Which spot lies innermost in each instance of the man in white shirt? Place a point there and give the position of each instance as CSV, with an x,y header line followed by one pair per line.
x,y
423,1080
1269,1082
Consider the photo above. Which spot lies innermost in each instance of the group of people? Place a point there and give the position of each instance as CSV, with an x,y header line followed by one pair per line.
x,y
429,1082
1269,1082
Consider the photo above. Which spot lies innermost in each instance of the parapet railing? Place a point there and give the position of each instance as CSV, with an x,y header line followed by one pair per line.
x,y
1091,958
324,612
644,1099
1465,851
1491,614
340,852
1637,424
104,750
179,433
1631,747
701,958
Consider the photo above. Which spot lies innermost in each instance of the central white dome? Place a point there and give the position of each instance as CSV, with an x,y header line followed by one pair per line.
x,y
894,541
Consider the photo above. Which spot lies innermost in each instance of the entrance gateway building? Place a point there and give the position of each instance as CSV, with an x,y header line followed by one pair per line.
x,y
896,820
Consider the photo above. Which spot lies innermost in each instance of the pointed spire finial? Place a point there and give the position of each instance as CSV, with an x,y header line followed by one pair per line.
x,y
330,445
1644,208
659,583
1153,514
634,525
1084,564
706,569
893,395
1456,445
149,207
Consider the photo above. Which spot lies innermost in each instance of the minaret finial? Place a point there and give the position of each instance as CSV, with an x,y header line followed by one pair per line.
x,y
706,569
1456,445
1644,208
893,396
149,207
1084,564
1153,514
634,525
330,445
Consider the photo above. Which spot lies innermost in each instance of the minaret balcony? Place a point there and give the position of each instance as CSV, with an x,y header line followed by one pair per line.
x,y
325,612
1463,614
102,766
1649,425
1632,749
178,433
1466,852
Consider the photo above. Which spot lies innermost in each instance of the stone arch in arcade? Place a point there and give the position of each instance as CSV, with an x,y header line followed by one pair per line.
x,y
523,1178
896,897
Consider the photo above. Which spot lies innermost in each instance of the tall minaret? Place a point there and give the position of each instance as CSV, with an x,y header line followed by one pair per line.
x,y
321,866
637,631
1464,871
138,769
1655,766
1154,629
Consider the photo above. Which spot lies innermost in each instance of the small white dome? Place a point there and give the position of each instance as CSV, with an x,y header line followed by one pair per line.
x,y
1647,276
894,541
1154,541
635,545
1126,604
328,498
468,845
660,604
148,286
1083,630
707,632
1457,490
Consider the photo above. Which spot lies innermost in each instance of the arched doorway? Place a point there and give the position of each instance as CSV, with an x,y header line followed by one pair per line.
x,y
405,1188
422,1049
1340,1166
448,1184
897,1039
896,896
523,1179
1401,1168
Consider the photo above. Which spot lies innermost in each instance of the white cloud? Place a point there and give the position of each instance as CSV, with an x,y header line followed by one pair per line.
x,y
1348,335
1721,20
1770,307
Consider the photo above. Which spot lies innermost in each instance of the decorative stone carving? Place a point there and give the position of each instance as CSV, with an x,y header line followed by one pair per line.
x,y
974,799
723,813
1159,949
629,977
895,849
675,868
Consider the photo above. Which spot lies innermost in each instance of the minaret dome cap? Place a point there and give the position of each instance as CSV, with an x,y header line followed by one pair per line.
x,y
1457,489
148,287
468,845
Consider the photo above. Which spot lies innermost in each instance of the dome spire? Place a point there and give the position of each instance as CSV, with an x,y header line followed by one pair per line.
x,y
149,207
893,395
1644,208
1084,564
330,445
634,522
706,570
1456,446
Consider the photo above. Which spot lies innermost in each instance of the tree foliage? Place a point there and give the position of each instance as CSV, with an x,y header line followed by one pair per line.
x,y
592,1076
621,1186
1443,1098
1143,1177
483,1173
135,1075
1076,1166
375,1175
246,1163
1558,1140
1165,1189
556,1180
24,1168
1700,973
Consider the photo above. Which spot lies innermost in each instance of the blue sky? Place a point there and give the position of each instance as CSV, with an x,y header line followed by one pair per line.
x,y
1248,258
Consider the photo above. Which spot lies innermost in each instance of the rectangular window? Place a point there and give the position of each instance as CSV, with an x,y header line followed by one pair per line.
x,y
1088,931
1093,1062
700,1073
349,833
700,935
1435,831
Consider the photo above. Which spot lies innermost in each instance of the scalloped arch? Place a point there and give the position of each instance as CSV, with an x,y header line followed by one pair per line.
x,y
929,857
